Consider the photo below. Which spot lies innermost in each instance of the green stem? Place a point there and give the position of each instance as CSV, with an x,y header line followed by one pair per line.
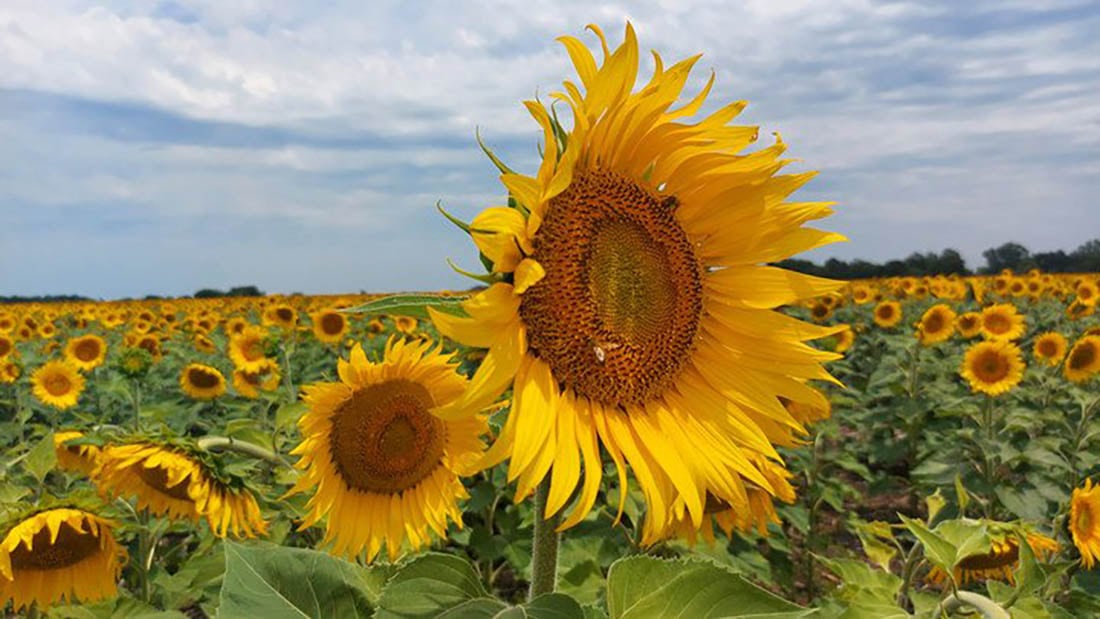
x,y
963,599
907,572
544,555
135,398
987,454
145,545
228,443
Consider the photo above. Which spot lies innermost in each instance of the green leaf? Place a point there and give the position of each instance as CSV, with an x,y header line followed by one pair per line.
x,y
473,609
415,305
962,497
554,606
937,549
273,582
287,415
648,587
41,458
428,585
935,503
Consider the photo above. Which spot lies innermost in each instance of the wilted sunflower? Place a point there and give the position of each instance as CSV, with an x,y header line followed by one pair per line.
x,y
1050,348
1000,560
993,367
202,382
250,384
969,325
168,481
57,384
636,311
1078,310
385,469
1002,322
1084,522
248,349
77,458
887,314
204,344
1083,359
936,325
59,554
329,326
86,352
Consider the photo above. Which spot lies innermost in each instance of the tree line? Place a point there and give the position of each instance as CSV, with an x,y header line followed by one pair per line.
x,y
1014,256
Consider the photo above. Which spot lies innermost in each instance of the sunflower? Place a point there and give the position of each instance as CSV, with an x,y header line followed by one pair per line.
x,y
7,345
384,468
1050,348
1084,522
993,367
235,326
59,554
936,325
204,344
844,339
887,314
202,382
1002,558
329,326
969,325
86,352
79,458
9,371
1083,359
404,324
57,384
635,310
1078,310
250,384
1002,322
248,350
150,343
375,326
820,312
169,481
1087,292
283,316
134,362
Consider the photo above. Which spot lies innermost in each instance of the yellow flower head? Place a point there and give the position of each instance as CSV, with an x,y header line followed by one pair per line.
x,y
86,352
887,314
202,382
1002,322
1050,348
1084,522
936,325
969,325
250,384
993,367
79,458
1083,359
57,384
329,326
248,349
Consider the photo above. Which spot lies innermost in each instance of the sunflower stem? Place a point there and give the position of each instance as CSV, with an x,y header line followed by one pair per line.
x,y
228,443
544,555
986,607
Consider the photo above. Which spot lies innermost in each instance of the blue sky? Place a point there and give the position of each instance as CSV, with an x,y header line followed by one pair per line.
x,y
160,147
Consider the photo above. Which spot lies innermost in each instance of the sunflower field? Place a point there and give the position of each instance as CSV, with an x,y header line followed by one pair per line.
x,y
631,414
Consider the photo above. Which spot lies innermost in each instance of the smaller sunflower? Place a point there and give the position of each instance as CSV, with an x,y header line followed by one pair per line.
x,y
77,458
844,339
283,316
329,326
59,554
1084,522
1050,348
405,324
1087,292
1083,359
86,352
993,367
1002,322
936,325
57,384
969,325
375,326
250,384
204,344
248,350
820,311
134,362
9,371
7,346
887,314
202,382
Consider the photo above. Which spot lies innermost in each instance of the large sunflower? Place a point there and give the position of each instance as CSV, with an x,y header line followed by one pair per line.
x,y
936,325
1084,522
1083,359
59,554
86,352
170,482
57,384
385,469
635,310
993,367
1001,559
81,458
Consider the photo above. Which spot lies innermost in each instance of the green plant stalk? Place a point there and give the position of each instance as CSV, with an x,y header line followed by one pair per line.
x,y
288,377
963,599
544,553
987,454
908,570
228,443
135,399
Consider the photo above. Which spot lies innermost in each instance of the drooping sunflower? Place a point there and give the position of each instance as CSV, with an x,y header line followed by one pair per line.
x,y
1002,558
1050,348
250,384
57,384
936,325
969,324
329,326
887,314
204,344
993,367
1084,522
172,482
636,312
86,352
248,349
59,554
78,458
1083,359
1002,322
385,469
202,382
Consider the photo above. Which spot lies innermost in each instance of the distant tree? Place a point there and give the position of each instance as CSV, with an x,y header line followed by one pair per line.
x,y
950,262
1086,258
245,291
1008,256
209,293
1053,261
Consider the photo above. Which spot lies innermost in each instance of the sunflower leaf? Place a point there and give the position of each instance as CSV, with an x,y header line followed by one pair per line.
x,y
430,584
414,305
41,458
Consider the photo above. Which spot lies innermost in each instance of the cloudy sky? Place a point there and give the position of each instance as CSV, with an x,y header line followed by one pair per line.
x,y
159,147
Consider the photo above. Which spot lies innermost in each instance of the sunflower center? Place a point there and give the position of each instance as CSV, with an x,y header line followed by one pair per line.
x,y
384,439
252,349
285,314
934,323
332,324
202,379
1081,358
5,346
995,559
991,367
616,315
70,547
886,312
86,350
157,478
1084,520
57,384
997,323
1048,348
